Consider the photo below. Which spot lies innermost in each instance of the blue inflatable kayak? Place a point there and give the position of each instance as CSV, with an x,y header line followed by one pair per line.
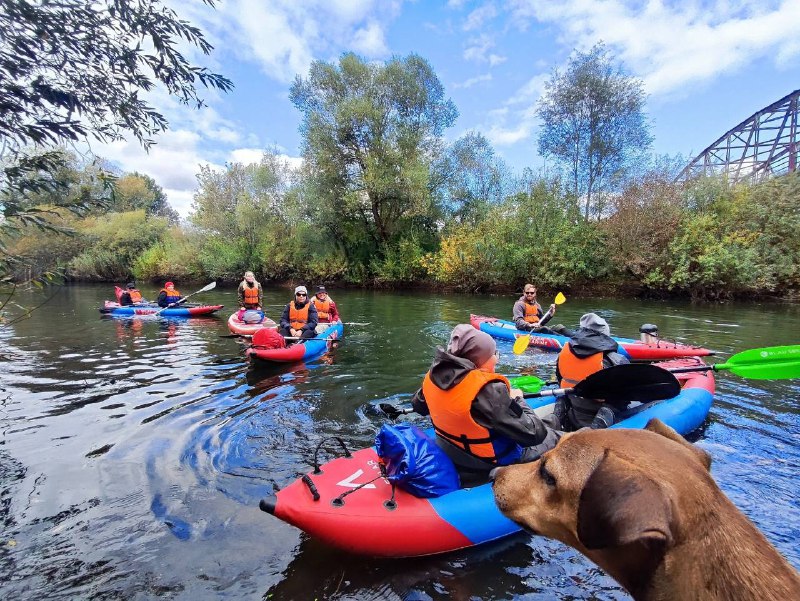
x,y
634,349
112,308
348,504
301,351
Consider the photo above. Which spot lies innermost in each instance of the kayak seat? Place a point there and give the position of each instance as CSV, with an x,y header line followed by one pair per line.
x,y
471,470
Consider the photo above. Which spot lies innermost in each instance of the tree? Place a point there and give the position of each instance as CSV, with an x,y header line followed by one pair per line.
x,y
137,191
472,178
370,132
76,70
593,124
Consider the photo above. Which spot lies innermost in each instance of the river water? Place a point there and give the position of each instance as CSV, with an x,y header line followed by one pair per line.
x,y
134,452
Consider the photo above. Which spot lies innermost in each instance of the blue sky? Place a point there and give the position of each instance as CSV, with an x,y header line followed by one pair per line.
x,y
706,66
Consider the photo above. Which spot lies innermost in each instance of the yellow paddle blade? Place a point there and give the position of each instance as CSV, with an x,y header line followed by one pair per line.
x,y
521,343
560,298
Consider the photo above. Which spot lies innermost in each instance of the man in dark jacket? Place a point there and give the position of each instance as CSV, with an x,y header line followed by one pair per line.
x,y
589,350
479,420
299,318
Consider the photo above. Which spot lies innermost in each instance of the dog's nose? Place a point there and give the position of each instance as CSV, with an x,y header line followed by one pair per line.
x,y
493,474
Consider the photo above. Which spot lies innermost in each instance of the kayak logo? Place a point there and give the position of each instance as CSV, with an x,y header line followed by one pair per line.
x,y
349,482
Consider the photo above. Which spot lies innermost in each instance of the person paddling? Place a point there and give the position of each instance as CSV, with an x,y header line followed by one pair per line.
x,y
589,350
169,295
131,296
528,315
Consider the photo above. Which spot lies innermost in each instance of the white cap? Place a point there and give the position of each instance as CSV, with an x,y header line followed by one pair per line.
x,y
300,289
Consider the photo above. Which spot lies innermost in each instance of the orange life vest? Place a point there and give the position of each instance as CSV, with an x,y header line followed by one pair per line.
x,y
250,295
298,317
532,312
450,412
574,369
172,297
323,309
136,296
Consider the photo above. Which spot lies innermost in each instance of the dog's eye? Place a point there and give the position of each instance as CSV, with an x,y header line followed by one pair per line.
x,y
548,478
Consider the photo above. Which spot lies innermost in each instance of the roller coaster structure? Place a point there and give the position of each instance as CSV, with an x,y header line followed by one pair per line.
x,y
766,144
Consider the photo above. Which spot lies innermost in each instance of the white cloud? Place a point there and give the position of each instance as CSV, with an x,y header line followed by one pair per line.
x,y
284,36
478,50
674,45
479,16
473,81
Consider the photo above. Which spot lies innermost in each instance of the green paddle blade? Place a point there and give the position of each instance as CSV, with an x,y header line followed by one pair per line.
x,y
527,383
774,362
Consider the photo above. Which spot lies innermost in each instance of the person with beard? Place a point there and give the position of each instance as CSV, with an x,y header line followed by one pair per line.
x,y
589,350
299,318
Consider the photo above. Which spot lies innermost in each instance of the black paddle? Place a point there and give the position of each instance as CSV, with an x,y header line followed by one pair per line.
x,y
641,382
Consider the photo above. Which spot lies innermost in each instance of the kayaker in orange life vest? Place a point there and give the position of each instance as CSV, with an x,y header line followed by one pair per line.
x,y
528,315
479,420
299,318
168,295
250,292
326,309
589,350
130,296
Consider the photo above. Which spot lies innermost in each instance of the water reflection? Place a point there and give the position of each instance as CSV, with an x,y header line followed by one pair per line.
x,y
135,450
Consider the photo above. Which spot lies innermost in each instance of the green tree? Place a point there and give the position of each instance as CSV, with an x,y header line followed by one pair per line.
x,y
472,178
370,133
593,124
76,70
136,191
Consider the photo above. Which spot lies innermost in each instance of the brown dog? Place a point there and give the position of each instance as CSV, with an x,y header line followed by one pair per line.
x,y
642,505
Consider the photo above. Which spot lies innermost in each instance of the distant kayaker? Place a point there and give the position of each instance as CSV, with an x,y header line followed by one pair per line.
x,y
589,350
326,309
250,292
529,316
299,318
480,421
130,296
168,295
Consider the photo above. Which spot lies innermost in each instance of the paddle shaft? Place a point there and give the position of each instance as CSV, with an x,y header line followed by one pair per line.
x,y
205,288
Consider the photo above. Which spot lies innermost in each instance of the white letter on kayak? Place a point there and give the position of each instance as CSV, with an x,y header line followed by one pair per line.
x,y
348,482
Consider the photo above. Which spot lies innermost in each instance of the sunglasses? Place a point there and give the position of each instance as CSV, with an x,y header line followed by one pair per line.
x,y
531,293
301,294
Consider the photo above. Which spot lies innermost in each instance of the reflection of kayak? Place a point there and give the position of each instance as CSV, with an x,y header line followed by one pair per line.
x,y
113,308
299,351
363,522
635,349
237,326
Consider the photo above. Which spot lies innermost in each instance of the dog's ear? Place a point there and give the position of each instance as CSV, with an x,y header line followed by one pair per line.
x,y
620,505
659,427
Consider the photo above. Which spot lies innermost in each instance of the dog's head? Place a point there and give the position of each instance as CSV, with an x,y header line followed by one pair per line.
x,y
601,489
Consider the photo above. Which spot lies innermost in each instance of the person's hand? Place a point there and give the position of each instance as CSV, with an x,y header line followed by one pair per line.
x,y
553,308
516,393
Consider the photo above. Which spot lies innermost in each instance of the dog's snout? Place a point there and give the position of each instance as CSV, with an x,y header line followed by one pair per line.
x,y
494,473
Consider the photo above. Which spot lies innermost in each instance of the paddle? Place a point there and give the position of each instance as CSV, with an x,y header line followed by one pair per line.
x,y
527,383
522,342
772,362
641,382
205,288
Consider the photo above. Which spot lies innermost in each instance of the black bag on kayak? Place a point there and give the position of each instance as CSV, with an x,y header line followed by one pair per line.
x,y
414,462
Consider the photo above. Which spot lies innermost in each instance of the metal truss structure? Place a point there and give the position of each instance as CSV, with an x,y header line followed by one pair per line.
x,y
766,144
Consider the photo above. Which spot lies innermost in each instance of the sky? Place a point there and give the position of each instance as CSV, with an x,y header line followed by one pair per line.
x,y
706,66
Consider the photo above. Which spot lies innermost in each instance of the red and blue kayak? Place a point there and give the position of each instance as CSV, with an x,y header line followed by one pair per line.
x,y
635,350
112,308
366,522
301,351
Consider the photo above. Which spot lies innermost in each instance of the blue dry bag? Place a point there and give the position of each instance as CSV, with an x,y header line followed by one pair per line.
x,y
414,462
